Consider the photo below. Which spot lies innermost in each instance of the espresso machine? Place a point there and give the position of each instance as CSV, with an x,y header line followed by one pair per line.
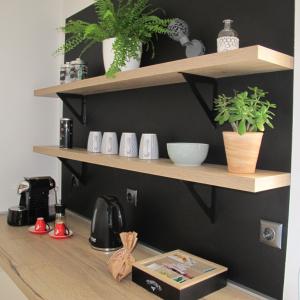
x,y
37,199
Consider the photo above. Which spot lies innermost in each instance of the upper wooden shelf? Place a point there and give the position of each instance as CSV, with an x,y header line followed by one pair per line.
x,y
243,61
209,174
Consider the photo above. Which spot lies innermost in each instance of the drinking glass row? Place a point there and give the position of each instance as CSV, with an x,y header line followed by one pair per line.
x,y
108,144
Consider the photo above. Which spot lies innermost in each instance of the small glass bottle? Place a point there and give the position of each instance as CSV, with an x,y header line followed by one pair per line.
x,y
62,74
73,71
68,71
227,38
81,69
52,203
84,71
78,66
60,216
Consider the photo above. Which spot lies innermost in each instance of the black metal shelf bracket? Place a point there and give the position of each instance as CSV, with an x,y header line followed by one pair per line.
x,y
208,210
80,116
78,176
192,80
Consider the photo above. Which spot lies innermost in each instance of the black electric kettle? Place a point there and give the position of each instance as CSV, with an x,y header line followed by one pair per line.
x,y
107,224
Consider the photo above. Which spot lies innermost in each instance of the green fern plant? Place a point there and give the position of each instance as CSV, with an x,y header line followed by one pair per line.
x,y
131,22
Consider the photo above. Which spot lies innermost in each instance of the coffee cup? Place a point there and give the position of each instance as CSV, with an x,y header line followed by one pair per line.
x,y
149,146
128,145
94,141
41,225
61,229
109,143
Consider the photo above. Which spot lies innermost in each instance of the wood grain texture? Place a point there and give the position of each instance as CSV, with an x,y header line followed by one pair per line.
x,y
209,174
47,269
242,151
243,61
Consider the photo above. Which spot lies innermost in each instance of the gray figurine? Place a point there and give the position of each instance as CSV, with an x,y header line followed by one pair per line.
x,y
179,32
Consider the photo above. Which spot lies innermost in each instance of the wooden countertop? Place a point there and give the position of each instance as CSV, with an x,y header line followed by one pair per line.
x,y
63,270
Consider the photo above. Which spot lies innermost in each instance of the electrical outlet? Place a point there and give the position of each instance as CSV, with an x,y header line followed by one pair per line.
x,y
131,197
271,233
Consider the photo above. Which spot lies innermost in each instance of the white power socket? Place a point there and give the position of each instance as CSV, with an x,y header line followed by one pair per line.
x,y
131,197
271,233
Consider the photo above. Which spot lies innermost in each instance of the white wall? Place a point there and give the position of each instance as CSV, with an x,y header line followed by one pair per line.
x,y
28,39
70,7
291,283
67,9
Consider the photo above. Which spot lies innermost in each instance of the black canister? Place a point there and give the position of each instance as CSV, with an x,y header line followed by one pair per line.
x,y
66,133
17,216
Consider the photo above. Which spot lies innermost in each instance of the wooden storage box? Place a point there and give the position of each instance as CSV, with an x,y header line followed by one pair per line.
x,y
178,275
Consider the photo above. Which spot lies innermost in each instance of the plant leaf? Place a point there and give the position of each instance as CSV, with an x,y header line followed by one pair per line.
x,y
242,127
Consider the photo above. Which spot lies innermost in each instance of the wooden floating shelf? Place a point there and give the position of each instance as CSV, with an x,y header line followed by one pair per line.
x,y
243,61
209,174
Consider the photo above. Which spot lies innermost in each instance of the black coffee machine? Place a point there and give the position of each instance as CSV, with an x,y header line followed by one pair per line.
x,y
107,224
34,202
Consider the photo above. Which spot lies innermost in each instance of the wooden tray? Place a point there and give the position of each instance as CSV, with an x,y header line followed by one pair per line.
x,y
178,275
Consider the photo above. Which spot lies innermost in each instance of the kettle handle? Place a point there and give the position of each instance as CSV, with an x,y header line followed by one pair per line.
x,y
120,216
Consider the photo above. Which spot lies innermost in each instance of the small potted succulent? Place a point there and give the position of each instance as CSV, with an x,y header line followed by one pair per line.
x,y
122,28
247,112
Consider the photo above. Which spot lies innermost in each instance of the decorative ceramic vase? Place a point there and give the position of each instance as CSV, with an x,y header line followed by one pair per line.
x,y
179,31
227,38
109,55
242,151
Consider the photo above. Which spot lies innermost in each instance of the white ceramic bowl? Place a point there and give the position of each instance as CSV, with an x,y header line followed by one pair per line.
x,y
187,154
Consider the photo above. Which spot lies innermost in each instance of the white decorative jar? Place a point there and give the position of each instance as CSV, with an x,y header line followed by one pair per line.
x,y
109,55
227,38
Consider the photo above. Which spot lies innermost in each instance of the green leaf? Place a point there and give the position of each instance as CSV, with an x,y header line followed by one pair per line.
x,y
131,21
242,127
234,119
269,124
247,110
260,124
226,116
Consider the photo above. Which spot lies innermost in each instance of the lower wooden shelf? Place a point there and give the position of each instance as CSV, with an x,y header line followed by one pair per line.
x,y
210,174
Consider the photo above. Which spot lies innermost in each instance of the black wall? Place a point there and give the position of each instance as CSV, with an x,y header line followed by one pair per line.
x,y
167,216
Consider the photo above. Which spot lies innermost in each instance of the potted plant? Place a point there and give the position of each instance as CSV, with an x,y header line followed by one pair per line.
x,y
247,112
123,29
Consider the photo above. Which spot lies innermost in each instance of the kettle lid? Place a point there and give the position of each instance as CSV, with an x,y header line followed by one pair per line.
x,y
109,199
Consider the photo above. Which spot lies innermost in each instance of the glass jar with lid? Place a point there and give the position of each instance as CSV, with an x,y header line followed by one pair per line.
x,y
228,38
79,69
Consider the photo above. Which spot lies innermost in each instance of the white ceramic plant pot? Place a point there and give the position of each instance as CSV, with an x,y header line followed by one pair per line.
x,y
108,56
